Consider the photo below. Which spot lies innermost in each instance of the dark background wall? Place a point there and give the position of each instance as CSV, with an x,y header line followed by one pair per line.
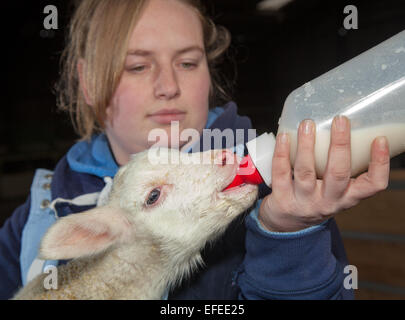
x,y
275,53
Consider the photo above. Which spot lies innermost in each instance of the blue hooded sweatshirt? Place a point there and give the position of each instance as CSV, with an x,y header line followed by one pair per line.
x,y
247,262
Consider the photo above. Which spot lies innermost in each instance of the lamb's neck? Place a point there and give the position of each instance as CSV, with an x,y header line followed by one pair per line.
x,y
141,272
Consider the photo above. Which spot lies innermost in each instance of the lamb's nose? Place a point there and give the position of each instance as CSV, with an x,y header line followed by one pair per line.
x,y
225,157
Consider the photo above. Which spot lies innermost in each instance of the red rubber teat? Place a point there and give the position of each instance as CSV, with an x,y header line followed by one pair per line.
x,y
253,178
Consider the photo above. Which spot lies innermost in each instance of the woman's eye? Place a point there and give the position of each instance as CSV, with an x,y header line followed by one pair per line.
x,y
188,65
138,68
153,196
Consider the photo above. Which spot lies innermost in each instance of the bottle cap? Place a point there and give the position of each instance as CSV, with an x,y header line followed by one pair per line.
x,y
255,168
261,151
246,173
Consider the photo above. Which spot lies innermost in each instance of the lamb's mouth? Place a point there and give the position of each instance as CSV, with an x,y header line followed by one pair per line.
x,y
238,190
234,188
244,188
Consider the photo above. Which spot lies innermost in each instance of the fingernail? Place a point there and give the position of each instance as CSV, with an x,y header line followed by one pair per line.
x,y
283,138
340,122
307,126
382,143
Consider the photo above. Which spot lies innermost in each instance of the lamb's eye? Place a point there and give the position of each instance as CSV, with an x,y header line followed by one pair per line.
x,y
153,196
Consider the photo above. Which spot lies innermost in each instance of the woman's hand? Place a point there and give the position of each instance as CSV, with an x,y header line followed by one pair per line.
x,y
304,201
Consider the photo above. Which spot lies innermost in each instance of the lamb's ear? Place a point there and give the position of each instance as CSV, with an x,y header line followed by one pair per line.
x,y
85,233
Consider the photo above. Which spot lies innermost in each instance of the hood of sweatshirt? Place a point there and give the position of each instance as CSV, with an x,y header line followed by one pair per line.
x,y
96,158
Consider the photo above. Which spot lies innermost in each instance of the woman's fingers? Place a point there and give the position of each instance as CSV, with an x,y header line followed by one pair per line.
x,y
377,177
304,166
338,169
379,167
281,173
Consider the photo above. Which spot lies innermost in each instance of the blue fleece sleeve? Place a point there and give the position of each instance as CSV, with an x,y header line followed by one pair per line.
x,y
294,265
10,245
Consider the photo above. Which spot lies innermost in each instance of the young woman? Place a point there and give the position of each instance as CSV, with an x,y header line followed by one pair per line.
x,y
132,66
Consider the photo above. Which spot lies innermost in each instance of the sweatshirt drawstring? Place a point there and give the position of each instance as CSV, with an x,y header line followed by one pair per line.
x,y
95,198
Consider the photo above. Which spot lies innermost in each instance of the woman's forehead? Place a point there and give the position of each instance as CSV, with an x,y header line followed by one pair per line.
x,y
166,23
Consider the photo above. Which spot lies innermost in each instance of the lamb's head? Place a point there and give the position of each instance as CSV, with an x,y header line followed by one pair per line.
x,y
173,199
179,197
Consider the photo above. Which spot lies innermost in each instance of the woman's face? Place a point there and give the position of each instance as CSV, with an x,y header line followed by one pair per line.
x,y
165,78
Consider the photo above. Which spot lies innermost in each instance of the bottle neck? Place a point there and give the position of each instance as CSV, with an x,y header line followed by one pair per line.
x,y
255,168
247,173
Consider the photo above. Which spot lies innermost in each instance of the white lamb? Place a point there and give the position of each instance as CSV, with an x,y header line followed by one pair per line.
x,y
150,233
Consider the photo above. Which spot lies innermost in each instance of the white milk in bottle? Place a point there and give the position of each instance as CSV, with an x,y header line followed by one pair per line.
x,y
361,140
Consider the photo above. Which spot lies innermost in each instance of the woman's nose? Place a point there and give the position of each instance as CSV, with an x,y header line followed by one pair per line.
x,y
167,86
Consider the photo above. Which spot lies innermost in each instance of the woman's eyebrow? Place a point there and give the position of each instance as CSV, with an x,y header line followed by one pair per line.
x,y
145,53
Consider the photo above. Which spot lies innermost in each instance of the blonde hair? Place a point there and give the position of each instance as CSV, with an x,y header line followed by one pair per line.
x,y
90,39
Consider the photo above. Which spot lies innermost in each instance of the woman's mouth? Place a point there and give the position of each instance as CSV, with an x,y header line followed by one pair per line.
x,y
166,116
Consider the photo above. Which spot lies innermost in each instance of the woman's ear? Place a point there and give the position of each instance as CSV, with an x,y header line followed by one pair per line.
x,y
81,69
